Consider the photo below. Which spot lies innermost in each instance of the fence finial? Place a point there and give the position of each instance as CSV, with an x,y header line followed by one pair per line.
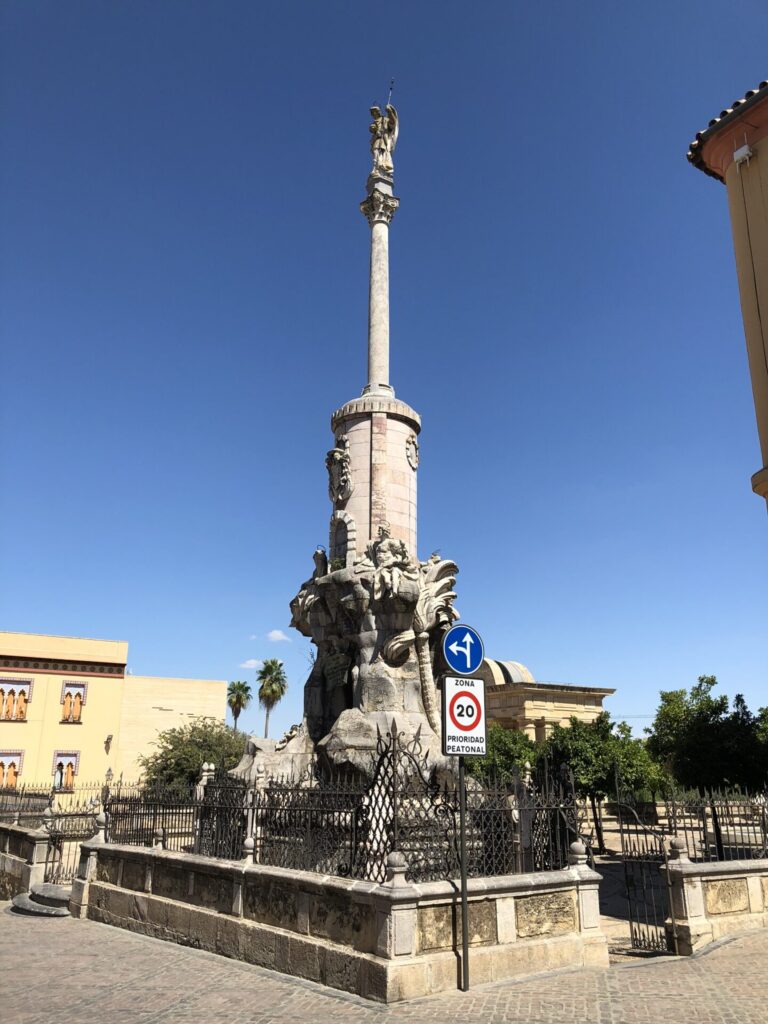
x,y
678,849
397,866
577,854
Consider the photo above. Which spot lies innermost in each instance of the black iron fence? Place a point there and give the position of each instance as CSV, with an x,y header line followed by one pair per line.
x,y
66,816
715,825
718,825
348,826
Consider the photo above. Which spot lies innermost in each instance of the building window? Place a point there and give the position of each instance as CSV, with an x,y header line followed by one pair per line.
x,y
65,767
10,768
15,694
72,700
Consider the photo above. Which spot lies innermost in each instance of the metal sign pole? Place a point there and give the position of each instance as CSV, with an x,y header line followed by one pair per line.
x,y
464,734
463,857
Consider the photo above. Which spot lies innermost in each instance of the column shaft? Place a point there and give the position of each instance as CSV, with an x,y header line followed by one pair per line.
x,y
378,307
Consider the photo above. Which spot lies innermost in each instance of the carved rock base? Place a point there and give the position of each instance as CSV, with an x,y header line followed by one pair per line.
x,y
351,744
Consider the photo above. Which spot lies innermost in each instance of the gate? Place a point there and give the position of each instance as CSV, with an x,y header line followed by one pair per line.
x,y
66,830
644,854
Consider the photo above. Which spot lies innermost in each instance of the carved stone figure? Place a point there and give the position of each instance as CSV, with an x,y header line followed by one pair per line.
x,y
320,558
337,463
412,451
376,626
384,130
293,731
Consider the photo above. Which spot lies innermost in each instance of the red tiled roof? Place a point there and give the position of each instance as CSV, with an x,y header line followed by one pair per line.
x,y
724,117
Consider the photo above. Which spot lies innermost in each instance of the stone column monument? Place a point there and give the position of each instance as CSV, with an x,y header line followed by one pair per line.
x,y
374,611
374,463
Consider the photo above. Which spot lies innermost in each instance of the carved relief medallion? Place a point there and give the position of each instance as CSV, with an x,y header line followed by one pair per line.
x,y
412,451
337,463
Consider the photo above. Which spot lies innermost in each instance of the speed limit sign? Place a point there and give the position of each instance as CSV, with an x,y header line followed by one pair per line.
x,y
464,717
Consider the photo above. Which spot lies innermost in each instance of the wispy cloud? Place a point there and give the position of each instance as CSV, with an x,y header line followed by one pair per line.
x,y
277,636
251,663
253,637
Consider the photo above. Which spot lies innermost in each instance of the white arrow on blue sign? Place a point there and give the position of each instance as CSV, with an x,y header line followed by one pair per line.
x,y
463,650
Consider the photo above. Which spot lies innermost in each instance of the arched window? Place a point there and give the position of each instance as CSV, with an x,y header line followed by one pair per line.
x,y
66,712
58,776
10,778
10,700
2,774
69,776
77,706
21,706
343,538
2,703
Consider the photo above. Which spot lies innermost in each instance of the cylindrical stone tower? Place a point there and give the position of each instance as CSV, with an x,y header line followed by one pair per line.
x,y
373,465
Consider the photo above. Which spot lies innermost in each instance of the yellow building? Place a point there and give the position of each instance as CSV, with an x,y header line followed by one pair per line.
x,y
69,712
515,700
734,149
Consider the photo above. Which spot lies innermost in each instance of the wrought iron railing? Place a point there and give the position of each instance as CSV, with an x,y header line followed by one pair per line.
x,y
715,825
347,826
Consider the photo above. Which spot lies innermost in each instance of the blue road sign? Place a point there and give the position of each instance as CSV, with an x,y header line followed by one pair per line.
x,y
463,649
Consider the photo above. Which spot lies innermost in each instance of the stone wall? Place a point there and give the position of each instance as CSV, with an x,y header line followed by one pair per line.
x,y
22,859
711,900
385,942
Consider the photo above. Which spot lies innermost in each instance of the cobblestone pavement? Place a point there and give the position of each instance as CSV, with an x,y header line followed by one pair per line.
x,y
72,972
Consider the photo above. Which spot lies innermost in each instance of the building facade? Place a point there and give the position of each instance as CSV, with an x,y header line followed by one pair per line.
x,y
733,149
69,712
515,700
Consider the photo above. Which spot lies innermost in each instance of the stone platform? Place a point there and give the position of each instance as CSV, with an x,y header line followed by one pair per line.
x,y
388,943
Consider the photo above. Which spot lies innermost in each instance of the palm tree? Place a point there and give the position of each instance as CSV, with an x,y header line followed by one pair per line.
x,y
272,687
238,697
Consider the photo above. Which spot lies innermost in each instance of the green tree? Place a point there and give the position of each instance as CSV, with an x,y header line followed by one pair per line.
x,y
508,750
181,752
704,743
272,686
586,747
594,751
238,698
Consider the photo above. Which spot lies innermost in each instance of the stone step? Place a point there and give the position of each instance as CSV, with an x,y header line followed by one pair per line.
x,y
24,904
49,894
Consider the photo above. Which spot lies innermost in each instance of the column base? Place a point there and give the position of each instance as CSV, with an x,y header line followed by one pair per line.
x,y
385,390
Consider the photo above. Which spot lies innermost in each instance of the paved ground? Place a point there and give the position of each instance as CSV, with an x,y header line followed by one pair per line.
x,y
78,972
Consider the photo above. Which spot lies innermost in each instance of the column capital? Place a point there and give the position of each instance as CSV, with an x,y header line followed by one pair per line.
x,y
379,208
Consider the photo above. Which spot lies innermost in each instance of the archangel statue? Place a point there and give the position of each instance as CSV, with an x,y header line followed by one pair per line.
x,y
384,130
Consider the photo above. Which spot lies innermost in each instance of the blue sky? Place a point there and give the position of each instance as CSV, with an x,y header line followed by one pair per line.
x,y
183,302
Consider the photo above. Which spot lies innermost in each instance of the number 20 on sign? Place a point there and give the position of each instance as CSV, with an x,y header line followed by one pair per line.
x,y
464,717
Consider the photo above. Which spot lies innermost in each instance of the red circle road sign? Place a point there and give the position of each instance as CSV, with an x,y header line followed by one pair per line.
x,y
474,722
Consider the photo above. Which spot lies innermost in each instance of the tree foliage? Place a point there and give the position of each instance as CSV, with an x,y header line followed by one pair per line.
x,y
595,751
272,686
588,749
181,752
239,696
705,743
508,749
